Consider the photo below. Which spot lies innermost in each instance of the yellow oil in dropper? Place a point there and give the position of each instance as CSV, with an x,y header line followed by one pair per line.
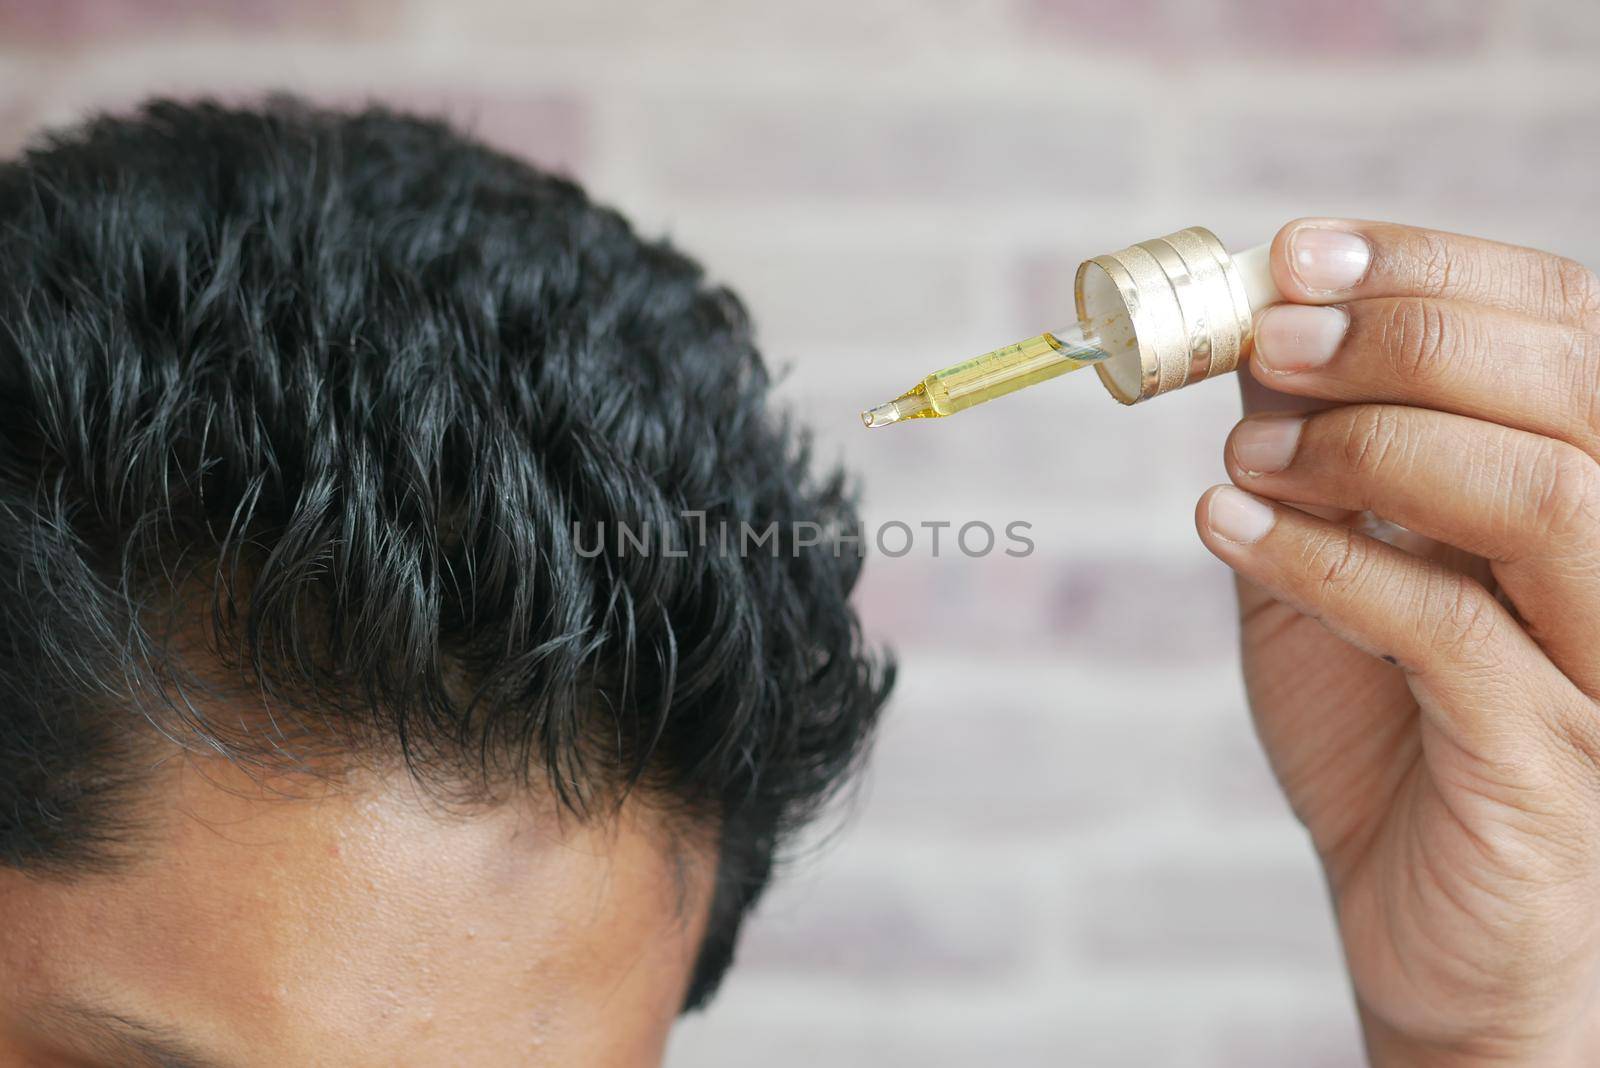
x,y
994,374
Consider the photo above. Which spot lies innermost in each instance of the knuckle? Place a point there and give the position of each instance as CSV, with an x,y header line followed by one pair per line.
x,y
1572,289
1338,562
1566,484
1373,437
1436,265
1420,339
1466,620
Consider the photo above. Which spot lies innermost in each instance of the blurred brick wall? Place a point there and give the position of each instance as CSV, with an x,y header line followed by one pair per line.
x,y
1069,851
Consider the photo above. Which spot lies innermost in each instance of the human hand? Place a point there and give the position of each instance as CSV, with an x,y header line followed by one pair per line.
x,y
1430,705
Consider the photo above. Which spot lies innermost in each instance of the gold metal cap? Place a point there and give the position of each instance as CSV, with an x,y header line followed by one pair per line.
x,y
1172,311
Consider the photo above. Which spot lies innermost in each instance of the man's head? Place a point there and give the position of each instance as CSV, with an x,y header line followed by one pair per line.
x,y
396,665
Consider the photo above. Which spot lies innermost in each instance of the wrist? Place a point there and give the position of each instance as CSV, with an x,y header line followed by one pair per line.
x,y
1389,1048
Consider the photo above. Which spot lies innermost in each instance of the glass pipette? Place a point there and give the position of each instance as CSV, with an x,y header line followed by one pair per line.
x,y
994,374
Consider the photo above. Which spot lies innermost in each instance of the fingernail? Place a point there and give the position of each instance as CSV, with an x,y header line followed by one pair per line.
x,y
1299,337
1235,516
1326,261
1262,446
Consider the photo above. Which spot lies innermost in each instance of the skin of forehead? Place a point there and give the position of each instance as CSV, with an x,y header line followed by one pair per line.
x,y
277,921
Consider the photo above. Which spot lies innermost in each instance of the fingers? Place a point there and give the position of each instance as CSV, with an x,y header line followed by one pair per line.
x,y
1325,261
1482,680
1528,373
1529,504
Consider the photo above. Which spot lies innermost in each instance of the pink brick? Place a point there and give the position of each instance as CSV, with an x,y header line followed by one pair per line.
x,y
878,926
970,762
1546,160
1294,29
953,602
16,124
547,128
1137,25
1226,773
783,148
1565,28
1312,157
1043,275
1330,1038
1044,285
1560,155
1098,610
1113,608
803,297
1174,915
73,22
872,1032
1252,28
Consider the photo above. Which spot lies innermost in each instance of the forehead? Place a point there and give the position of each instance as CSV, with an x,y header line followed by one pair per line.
x,y
281,923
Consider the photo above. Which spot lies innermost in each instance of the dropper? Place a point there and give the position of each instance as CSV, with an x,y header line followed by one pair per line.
x,y
1152,318
994,374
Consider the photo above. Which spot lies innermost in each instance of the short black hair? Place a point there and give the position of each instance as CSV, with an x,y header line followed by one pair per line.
x,y
360,397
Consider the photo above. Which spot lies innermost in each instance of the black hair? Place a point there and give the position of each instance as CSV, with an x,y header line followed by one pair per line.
x,y
359,398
